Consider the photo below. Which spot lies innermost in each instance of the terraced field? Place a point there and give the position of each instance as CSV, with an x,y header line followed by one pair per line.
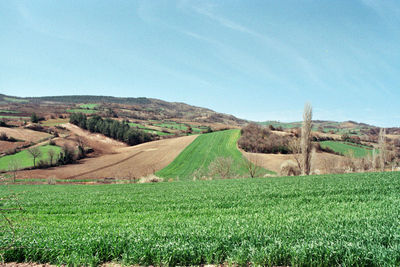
x,y
205,149
347,149
331,220
25,159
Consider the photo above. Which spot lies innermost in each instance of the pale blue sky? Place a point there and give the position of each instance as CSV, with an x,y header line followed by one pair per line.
x,y
258,60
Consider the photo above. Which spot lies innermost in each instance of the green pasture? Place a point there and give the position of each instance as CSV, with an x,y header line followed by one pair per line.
x,y
88,106
82,110
346,148
25,159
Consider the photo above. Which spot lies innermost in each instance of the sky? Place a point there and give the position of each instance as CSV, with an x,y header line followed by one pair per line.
x,y
258,60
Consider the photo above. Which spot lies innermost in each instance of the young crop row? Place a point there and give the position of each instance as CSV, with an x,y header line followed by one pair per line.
x,y
357,151
198,156
328,220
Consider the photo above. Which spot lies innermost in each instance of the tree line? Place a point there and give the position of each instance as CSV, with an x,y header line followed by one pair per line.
x,y
114,129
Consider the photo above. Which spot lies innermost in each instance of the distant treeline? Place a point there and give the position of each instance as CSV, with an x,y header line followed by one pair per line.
x,y
92,99
114,129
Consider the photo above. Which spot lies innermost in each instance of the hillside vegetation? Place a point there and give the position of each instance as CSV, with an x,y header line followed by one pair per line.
x,y
331,220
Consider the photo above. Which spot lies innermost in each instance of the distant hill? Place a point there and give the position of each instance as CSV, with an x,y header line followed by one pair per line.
x,y
130,107
349,127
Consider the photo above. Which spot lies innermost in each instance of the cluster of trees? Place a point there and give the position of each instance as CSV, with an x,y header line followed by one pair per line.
x,y
258,139
114,129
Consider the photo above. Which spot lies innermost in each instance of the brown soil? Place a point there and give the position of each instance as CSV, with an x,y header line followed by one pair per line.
x,y
24,134
5,145
98,142
126,162
273,161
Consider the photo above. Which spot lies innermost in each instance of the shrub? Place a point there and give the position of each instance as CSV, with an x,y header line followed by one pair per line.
x,y
221,167
258,139
290,168
3,136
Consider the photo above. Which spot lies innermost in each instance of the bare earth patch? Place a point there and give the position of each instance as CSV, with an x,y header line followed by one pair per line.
x,y
126,162
273,161
98,142
5,145
24,134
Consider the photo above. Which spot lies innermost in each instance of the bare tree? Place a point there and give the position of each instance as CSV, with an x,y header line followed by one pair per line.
x,y
35,153
222,167
252,166
306,139
382,148
51,154
13,166
295,147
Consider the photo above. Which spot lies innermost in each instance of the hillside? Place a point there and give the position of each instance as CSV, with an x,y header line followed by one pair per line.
x,y
141,108
346,127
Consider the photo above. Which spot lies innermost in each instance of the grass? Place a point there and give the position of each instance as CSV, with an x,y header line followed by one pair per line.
x,y
202,151
148,130
325,220
8,111
25,159
172,125
81,110
54,122
346,148
14,117
89,106
15,100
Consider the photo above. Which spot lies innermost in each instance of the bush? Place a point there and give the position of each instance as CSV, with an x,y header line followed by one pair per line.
x,y
290,168
258,139
3,136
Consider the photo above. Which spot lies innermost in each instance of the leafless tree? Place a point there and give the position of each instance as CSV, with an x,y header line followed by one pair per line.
x,y
295,147
35,153
306,139
252,166
13,167
51,154
222,167
382,148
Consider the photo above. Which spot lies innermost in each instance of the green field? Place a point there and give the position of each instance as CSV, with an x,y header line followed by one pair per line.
x,y
13,117
25,159
344,148
202,151
81,110
325,220
7,111
172,125
15,100
148,130
89,106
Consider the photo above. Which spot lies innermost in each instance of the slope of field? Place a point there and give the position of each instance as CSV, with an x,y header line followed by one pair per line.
x,y
344,148
25,134
25,159
124,163
273,162
332,220
96,141
198,155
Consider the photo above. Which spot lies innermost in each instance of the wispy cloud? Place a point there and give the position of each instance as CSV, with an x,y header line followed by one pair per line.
x,y
274,43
